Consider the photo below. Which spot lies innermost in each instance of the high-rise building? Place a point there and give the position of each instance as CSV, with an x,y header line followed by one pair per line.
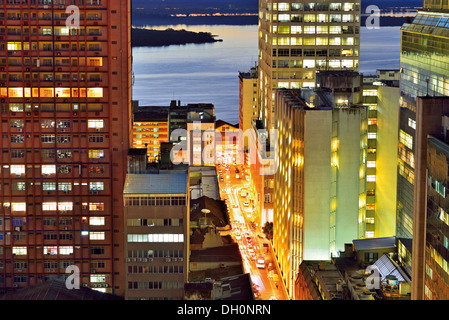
x,y
437,218
247,100
65,110
320,181
298,38
156,235
424,73
429,253
150,130
381,96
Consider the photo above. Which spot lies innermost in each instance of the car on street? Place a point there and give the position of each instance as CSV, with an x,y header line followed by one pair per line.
x,y
246,204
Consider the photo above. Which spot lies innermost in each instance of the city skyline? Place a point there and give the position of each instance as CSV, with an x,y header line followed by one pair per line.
x,y
331,184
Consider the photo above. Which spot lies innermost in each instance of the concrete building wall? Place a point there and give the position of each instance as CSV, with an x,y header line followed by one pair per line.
x,y
317,189
349,183
386,161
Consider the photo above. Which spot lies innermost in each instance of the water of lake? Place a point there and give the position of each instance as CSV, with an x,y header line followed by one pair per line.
x,y
208,73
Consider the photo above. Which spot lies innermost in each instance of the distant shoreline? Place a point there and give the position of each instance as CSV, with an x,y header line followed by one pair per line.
x,y
140,20
158,38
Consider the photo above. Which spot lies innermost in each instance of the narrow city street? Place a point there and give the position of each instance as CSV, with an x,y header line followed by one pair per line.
x,y
258,261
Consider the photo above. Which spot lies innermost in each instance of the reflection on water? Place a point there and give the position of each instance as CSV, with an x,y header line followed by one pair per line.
x,y
208,73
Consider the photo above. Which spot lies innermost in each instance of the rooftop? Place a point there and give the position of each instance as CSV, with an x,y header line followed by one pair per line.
x,y
56,290
162,183
374,243
226,253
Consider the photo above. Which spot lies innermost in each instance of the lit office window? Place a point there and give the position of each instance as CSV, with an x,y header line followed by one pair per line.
x,y
49,206
322,17
51,250
96,206
18,206
17,169
335,29
48,169
284,18
49,186
14,46
65,186
95,92
65,250
96,186
309,29
371,164
406,139
347,63
371,178
335,63
411,123
96,221
19,251
295,29
370,92
96,235
372,135
62,92
158,237
97,278
65,206
15,92
283,6
334,41
96,154
95,123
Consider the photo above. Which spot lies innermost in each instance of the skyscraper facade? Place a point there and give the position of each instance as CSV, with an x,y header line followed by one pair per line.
x,y
320,181
424,71
65,111
299,37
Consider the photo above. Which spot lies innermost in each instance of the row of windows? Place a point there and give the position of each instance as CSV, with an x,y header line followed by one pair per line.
x,y
62,169
45,46
156,285
156,237
406,139
312,18
50,221
51,250
154,222
312,41
432,21
22,236
311,63
56,3
62,186
154,201
284,6
56,265
53,206
312,52
156,253
51,123
156,269
315,29
16,61
60,107
51,92
18,249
